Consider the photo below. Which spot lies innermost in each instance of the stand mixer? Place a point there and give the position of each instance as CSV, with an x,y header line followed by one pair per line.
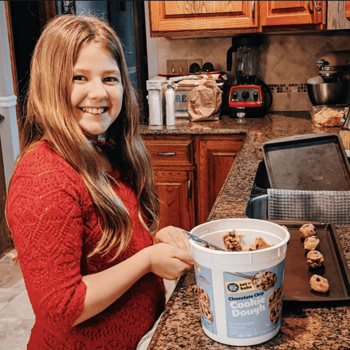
x,y
332,86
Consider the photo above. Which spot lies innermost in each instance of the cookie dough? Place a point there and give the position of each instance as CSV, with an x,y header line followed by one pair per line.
x,y
319,284
315,259
275,296
260,243
307,230
275,311
311,243
204,303
232,241
264,280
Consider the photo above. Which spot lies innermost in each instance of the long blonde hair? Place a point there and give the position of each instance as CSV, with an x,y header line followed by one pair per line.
x,y
49,112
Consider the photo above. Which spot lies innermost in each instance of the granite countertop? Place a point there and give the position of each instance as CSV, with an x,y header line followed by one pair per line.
x,y
303,326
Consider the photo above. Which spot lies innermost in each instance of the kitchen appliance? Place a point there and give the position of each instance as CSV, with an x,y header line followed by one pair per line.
x,y
331,86
249,97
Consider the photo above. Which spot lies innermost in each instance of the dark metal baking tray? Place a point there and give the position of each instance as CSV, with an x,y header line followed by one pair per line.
x,y
257,206
297,273
315,162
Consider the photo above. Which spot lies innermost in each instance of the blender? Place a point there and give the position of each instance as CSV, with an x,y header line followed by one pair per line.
x,y
249,97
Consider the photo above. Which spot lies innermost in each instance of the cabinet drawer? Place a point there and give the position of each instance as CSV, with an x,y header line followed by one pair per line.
x,y
174,151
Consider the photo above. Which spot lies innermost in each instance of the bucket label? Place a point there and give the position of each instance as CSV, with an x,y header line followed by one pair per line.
x,y
253,302
206,299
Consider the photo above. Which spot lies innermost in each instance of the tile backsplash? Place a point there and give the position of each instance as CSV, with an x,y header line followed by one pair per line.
x,y
287,60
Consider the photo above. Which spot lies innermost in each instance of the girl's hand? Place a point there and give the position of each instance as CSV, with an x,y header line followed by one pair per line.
x,y
173,236
167,261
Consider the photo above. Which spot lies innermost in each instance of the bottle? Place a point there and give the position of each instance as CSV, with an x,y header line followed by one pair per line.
x,y
170,104
155,117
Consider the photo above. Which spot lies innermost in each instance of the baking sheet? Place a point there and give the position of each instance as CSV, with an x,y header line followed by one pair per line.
x,y
315,162
297,273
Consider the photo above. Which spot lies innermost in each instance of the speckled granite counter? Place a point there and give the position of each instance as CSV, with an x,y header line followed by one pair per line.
x,y
303,327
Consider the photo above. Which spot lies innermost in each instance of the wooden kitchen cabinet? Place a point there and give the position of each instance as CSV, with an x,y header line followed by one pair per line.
x,y
189,173
196,18
173,163
175,189
208,18
347,10
281,13
214,158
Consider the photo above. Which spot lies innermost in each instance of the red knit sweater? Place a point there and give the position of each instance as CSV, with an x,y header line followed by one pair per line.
x,y
55,226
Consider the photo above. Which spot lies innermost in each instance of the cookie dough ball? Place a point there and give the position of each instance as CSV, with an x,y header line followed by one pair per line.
x,y
232,241
307,230
275,311
204,304
260,243
311,243
264,280
274,297
315,259
204,301
319,284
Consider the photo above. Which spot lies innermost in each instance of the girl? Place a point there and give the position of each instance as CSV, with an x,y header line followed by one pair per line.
x,y
82,211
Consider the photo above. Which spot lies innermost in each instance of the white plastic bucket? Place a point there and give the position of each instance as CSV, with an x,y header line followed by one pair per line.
x,y
234,311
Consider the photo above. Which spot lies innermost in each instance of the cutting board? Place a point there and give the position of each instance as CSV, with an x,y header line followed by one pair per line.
x,y
345,138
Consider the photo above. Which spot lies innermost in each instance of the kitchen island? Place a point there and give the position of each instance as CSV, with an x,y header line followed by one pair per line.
x,y
303,326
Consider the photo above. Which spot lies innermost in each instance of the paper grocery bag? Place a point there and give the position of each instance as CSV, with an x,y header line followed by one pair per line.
x,y
205,102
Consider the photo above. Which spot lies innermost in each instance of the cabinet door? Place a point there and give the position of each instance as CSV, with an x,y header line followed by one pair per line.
x,y
181,18
347,9
214,157
175,189
279,13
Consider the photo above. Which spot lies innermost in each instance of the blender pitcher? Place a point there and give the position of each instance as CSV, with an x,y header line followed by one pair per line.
x,y
247,64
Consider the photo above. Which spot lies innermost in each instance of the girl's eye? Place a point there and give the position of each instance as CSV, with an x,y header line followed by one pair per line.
x,y
78,77
111,79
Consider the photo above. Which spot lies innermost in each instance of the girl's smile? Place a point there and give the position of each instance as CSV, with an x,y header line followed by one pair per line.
x,y
93,110
97,90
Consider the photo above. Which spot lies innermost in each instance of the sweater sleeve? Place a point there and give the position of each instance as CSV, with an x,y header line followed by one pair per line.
x,y
45,218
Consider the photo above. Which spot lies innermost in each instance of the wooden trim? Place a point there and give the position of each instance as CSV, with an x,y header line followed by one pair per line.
x,y
6,242
336,15
47,11
203,33
13,63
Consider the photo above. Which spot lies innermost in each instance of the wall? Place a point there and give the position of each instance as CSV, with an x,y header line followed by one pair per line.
x,y
287,60
8,127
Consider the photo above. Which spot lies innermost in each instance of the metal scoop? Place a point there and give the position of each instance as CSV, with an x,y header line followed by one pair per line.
x,y
195,238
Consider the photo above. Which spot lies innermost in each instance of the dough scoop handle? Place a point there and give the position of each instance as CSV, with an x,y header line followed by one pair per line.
x,y
241,275
195,238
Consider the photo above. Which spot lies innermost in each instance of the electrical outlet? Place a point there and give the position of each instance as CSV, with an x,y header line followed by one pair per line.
x,y
199,61
177,66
